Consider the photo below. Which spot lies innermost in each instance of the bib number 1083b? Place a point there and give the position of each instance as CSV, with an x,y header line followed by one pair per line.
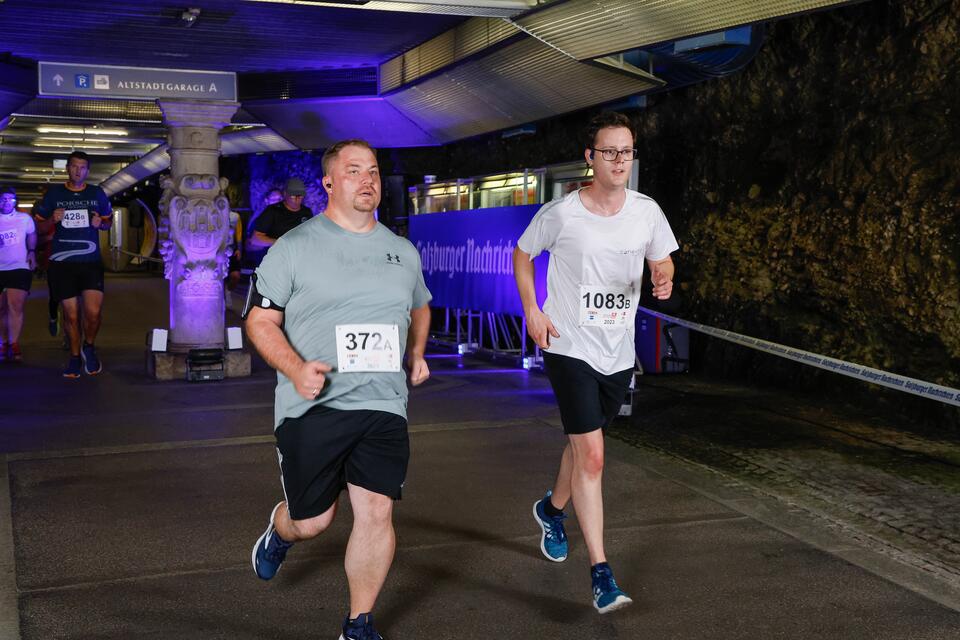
x,y
606,306
368,347
599,300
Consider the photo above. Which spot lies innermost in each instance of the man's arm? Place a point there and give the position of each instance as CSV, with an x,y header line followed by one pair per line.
x,y
44,209
262,224
32,250
539,325
417,344
261,240
265,332
661,274
101,222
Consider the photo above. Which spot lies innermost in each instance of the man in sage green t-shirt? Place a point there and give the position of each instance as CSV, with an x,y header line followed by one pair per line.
x,y
334,306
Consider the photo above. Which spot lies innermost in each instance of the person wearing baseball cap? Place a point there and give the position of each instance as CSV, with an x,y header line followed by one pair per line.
x,y
279,218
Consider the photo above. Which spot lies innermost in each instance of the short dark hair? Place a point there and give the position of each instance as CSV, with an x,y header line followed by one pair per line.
x,y
79,155
605,120
331,153
5,189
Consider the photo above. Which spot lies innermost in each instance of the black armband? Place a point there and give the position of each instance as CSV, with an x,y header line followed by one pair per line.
x,y
256,299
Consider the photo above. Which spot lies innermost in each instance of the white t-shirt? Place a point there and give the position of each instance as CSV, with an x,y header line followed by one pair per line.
x,y
14,229
596,264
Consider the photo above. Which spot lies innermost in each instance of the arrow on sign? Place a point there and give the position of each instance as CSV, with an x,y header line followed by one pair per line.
x,y
58,79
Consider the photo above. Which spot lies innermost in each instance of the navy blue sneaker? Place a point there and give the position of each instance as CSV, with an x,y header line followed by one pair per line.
x,y
553,542
360,629
607,596
74,368
270,550
91,363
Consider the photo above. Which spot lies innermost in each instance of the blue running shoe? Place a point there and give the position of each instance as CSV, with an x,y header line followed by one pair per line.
x,y
360,629
270,550
74,368
91,363
607,596
553,543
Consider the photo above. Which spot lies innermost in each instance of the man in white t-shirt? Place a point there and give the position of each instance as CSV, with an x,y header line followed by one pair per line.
x,y
599,238
18,243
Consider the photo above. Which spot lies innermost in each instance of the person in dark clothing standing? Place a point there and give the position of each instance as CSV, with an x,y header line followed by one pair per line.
x,y
80,211
279,218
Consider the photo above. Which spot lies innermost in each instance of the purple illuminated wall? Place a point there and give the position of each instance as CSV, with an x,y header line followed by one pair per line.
x,y
271,171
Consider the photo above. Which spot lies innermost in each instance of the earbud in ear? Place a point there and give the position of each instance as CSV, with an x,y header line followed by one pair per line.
x,y
591,154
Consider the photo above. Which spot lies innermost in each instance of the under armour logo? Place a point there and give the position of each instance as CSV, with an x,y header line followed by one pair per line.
x,y
393,258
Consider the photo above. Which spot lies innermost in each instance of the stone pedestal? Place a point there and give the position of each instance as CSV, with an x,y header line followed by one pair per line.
x,y
195,222
165,365
194,231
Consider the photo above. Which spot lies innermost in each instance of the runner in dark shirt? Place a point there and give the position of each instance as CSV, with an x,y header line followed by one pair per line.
x,y
280,218
80,211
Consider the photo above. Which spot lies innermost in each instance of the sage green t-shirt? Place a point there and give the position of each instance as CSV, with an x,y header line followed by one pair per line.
x,y
324,276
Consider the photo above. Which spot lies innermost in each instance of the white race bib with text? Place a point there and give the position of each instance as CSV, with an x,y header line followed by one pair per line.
x,y
368,347
9,238
75,219
606,306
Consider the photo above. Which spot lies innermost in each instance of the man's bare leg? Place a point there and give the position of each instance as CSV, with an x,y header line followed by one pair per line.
x,y
370,548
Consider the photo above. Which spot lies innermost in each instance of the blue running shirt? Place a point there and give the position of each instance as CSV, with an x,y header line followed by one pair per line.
x,y
74,240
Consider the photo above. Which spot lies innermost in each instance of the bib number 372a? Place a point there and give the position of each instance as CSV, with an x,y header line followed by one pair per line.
x,y
368,347
606,306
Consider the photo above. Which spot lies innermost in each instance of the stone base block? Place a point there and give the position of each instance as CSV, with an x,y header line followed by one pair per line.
x,y
237,363
162,365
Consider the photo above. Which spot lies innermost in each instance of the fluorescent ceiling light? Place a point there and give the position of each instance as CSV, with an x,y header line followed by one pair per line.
x,y
89,131
84,140
67,146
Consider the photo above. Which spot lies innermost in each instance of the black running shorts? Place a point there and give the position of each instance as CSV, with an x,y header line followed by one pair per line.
x,y
70,279
324,449
588,399
16,279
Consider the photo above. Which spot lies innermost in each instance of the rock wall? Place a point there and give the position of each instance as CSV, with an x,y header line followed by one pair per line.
x,y
815,194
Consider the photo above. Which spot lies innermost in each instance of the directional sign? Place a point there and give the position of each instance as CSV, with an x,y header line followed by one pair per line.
x,y
137,83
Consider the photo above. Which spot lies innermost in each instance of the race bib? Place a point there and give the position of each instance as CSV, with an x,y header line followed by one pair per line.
x,y
606,306
9,238
75,219
368,347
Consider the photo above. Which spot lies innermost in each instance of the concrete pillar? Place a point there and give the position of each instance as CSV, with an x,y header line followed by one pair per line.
x,y
194,222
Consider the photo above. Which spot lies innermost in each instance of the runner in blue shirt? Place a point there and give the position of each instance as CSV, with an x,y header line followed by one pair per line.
x,y
80,212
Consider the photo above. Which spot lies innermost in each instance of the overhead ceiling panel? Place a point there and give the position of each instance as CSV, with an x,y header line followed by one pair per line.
x,y
519,83
586,29
139,111
227,35
257,140
467,39
315,124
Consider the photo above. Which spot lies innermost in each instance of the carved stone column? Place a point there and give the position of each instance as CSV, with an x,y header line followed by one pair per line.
x,y
194,222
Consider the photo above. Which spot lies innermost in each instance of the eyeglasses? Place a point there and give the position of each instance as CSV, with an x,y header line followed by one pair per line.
x,y
612,154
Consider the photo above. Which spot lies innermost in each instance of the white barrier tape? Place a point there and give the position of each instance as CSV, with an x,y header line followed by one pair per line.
x,y
868,374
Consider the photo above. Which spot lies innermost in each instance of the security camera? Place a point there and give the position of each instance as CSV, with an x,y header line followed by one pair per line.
x,y
189,16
